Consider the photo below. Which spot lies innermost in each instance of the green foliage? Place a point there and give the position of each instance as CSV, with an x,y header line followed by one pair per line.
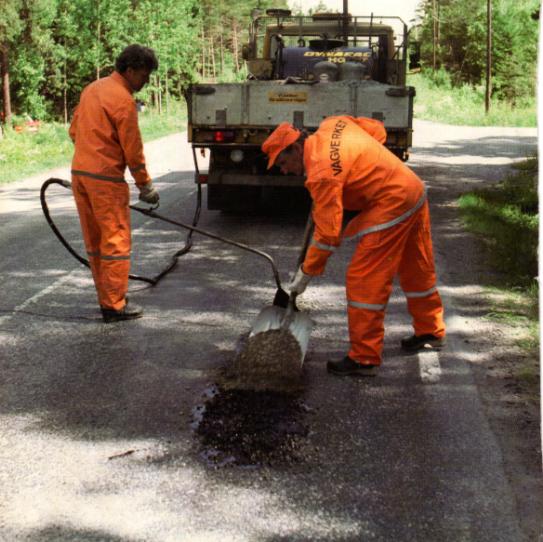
x,y
56,47
438,79
230,72
438,100
10,23
224,29
153,126
459,40
518,307
515,51
32,19
507,217
170,28
26,153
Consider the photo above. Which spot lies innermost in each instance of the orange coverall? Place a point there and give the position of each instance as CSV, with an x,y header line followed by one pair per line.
x,y
347,167
106,135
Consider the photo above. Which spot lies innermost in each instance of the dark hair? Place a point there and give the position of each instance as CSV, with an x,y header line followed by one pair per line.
x,y
136,56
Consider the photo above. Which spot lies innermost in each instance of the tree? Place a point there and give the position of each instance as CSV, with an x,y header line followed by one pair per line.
x,y
514,50
26,42
170,27
461,49
9,29
225,26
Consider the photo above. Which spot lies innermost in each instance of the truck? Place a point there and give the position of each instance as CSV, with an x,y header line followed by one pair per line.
x,y
301,69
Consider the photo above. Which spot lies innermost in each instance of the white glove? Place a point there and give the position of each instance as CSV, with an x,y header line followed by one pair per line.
x,y
149,194
300,282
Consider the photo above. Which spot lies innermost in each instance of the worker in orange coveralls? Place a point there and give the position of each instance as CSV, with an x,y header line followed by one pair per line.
x,y
348,167
107,139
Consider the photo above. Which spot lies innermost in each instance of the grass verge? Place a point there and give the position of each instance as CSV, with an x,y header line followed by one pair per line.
x,y
506,217
439,101
27,153
517,309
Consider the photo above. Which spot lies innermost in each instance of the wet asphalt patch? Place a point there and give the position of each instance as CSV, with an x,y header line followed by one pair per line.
x,y
248,428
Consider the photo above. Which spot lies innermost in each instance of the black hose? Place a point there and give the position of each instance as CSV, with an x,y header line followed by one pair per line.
x,y
281,294
152,281
45,209
188,241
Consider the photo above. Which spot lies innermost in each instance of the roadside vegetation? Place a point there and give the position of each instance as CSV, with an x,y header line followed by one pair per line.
x,y
448,56
437,99
30,151
507,220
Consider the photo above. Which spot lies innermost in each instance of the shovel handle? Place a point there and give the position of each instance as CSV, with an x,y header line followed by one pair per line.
x,y
307,236
291,307
262,254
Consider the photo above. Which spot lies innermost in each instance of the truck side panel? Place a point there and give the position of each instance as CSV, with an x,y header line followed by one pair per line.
x,y
267,103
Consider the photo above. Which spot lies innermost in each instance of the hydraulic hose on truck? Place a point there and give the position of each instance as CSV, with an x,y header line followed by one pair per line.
x,y
281,296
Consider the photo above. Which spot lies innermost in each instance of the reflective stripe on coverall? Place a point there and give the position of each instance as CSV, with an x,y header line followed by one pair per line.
x,y
347,168
107,140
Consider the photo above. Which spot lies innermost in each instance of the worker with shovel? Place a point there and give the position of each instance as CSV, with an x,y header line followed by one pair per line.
x,y
347,167
107,139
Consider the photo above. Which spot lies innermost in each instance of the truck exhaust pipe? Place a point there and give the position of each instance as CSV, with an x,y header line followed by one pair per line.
x,y
346,22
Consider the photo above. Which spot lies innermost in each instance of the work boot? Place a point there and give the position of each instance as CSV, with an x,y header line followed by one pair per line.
x,y
348,367
128,312
414,343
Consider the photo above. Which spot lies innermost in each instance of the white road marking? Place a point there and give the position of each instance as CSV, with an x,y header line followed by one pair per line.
x,y
429,367
37,296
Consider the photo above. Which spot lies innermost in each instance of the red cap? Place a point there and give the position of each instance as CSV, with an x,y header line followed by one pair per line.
x,y
283,136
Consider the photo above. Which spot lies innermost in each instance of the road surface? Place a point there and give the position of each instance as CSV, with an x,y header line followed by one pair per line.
x,y
96,440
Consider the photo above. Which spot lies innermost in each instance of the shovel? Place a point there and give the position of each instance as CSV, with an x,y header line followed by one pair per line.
x,y
284,315
274,352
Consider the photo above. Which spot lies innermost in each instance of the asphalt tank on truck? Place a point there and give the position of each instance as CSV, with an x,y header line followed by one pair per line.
x,y
301,70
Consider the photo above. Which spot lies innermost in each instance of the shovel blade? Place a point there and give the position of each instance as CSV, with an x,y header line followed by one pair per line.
x,y
271,318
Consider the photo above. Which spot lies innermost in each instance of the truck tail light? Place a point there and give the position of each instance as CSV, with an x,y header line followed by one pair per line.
x,y
223,136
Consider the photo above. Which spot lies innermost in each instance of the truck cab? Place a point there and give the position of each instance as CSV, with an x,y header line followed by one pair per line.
x,y
293,45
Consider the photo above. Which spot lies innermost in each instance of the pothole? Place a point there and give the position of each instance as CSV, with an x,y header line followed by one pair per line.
x,y
249,428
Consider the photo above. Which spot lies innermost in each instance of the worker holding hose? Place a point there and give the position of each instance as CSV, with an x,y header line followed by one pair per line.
x,y
347,167
107,139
